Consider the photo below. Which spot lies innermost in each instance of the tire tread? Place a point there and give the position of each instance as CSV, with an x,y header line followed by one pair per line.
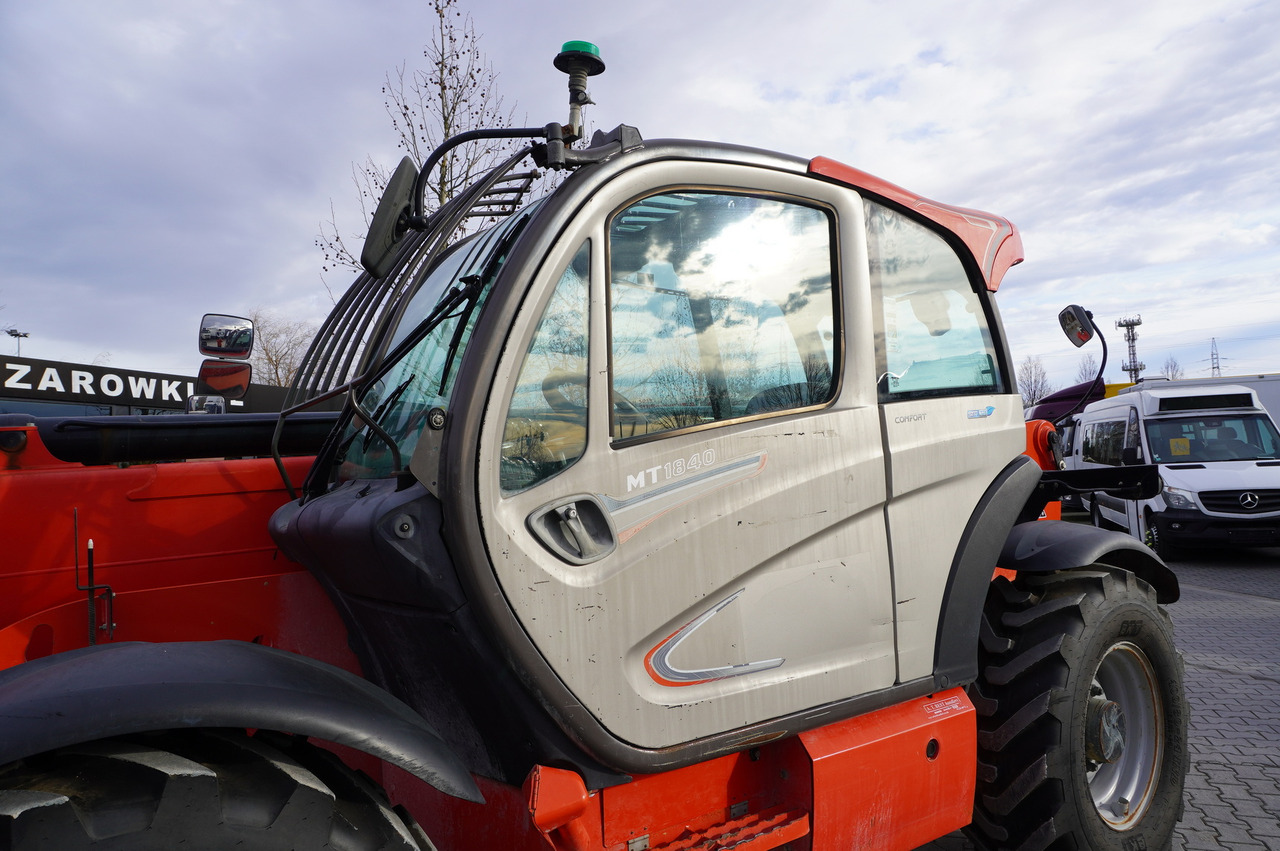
x,y
196,789
1038,625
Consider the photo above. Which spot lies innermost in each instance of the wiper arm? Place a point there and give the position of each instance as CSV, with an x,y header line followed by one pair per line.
x,y
456,339
448,302
474,282
382,409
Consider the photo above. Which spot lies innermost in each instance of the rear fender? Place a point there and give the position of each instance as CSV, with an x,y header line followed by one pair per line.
x,y
1050,545
118,689
955,655
1001,533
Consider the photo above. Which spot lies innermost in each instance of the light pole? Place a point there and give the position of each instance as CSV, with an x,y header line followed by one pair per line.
x,y
18,335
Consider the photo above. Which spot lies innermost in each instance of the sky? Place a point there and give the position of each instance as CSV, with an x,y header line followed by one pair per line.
x,y
161,160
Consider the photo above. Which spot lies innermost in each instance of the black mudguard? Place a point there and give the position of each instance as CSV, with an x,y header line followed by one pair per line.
x,y
1049,545
956,654
994,538
117,689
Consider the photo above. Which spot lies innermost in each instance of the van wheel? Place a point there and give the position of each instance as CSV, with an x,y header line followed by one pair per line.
x,y
1082,722
1156,541
199,790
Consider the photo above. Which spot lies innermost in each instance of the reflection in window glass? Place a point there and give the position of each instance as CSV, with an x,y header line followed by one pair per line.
x,y
1132,435
1104,442
546,427
721,306
933,338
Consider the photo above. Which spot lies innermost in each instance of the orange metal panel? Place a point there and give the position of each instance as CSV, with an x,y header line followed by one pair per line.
x,y
154,526
892,779
897,778
662,806
994,242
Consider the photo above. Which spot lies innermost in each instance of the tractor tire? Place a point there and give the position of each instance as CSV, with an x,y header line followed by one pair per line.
x,y
202,790
1082,721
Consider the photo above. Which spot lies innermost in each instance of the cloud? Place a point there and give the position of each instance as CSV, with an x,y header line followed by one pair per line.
x,y
163,160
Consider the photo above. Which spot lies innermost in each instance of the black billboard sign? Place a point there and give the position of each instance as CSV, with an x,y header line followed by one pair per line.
x,y
27,378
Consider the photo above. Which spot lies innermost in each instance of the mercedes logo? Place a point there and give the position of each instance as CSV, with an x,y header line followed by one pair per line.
x,y
1249,500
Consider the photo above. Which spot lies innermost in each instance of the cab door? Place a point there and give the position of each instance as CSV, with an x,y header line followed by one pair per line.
x,y
951,421
682,486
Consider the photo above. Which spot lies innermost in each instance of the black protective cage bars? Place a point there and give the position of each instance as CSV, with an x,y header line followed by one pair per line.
x,y
345,354
344,339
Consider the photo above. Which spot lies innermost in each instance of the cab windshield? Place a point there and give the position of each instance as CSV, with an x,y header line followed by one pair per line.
x,y
425,350
1239,437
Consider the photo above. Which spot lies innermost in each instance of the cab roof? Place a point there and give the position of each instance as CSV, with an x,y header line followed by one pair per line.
x,y
993,240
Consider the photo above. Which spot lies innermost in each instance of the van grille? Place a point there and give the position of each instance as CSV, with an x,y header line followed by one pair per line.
x,y
1236,502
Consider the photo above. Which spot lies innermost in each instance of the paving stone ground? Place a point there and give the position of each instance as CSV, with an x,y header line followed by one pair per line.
x,y
1228,629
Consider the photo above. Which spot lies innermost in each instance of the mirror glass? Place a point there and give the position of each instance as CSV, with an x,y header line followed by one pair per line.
x,y
223,378
206,405
1076,324
226,336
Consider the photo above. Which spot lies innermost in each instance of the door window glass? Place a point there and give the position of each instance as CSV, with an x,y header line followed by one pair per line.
x,y
1132,440
721,306
933,338
1104,442
546,426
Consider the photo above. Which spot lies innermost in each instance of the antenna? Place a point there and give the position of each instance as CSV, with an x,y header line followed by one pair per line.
x,y
578,59
19,336
1132,366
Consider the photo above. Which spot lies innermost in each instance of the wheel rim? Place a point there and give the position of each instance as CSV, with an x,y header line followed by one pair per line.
x,y
1124,702
1153,534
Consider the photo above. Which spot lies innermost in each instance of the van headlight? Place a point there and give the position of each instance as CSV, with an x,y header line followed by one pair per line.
x,y
1178,498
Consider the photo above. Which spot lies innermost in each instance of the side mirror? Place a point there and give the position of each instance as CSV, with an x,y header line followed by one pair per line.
x,y
1077,324
390,220
225,336
206,404
229,379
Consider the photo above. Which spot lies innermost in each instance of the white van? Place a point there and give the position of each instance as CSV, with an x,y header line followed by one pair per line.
x,y
1219,457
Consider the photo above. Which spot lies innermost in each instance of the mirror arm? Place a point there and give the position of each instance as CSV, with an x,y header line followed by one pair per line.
x,y
1097,380
417,218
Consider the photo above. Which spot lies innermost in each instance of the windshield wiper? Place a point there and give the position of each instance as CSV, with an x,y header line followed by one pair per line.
x,y
473,289
474,283
439,313
382,408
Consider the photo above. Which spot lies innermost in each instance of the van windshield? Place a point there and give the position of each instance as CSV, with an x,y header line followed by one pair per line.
x,y
1238,437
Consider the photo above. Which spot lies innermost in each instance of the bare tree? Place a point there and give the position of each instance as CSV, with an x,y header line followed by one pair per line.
x,y
455,92
1172,369
278,346
1087,370
1033,381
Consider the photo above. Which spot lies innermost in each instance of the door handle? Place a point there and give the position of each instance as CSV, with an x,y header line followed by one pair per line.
x,y
577,529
